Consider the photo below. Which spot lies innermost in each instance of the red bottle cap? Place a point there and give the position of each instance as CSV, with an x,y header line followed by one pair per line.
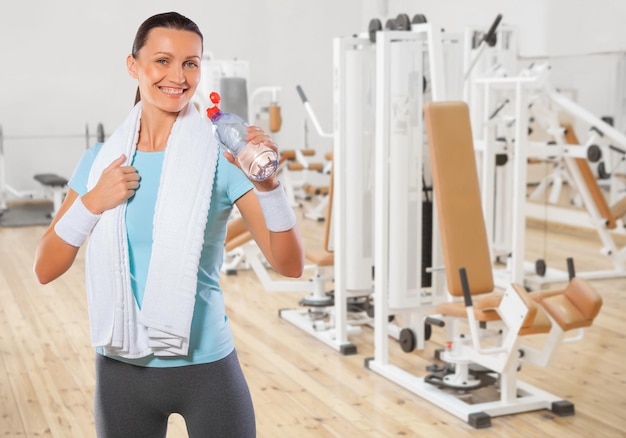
x,y
214,111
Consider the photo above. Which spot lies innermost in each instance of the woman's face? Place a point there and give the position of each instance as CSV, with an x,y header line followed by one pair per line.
x,y
167,68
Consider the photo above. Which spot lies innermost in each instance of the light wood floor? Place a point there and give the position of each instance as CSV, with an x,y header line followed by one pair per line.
x,y
301,387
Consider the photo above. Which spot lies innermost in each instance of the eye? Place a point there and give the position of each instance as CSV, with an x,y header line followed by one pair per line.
x,y
190,64
161,61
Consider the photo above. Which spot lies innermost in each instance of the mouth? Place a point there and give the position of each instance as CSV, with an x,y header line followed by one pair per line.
x,y
171,91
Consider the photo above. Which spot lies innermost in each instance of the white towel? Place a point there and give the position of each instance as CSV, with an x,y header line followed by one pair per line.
x,y
163,324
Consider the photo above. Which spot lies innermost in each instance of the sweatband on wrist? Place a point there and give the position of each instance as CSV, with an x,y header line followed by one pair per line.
x,y
76,224
277,211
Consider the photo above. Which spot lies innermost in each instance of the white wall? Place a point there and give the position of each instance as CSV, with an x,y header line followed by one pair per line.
x,y
63,61
63,65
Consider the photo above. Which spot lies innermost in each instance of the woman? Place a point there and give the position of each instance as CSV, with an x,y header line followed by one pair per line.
x,y
154,200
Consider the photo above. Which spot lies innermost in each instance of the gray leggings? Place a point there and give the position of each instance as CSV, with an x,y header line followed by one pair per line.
x,y
133,401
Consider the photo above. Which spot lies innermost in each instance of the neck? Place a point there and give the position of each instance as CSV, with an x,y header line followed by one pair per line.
x,y
154,130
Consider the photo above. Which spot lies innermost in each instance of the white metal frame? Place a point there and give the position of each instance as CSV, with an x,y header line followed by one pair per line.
x,y
390,294
391,297
514,396
509,204
353,257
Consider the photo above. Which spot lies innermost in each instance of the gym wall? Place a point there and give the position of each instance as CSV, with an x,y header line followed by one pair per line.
x,y
64,66
64,62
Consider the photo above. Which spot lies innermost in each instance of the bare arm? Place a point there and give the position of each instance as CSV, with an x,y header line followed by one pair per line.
x,y
283,250
53,256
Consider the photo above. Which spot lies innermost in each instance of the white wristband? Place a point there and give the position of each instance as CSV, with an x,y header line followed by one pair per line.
x,y
76,224
277,211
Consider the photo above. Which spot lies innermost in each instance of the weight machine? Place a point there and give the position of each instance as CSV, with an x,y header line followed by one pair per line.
x,y
478,379
404,258
53,186
357,99
352,193
505,110
502,131
488,358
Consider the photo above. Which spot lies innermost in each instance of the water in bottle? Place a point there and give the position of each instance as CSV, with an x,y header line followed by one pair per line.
x,y
258,161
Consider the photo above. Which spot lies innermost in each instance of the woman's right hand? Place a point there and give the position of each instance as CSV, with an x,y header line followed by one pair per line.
x,y
117,183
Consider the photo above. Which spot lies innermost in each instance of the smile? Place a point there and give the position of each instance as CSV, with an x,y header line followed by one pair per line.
x,y
172,91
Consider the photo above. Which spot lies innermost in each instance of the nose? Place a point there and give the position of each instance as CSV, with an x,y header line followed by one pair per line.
x,y
177,75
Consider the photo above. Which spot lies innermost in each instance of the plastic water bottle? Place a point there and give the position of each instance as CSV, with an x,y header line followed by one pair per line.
x,y
258,161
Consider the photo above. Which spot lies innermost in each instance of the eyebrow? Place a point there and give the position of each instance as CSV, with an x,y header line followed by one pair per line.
x,y
171,55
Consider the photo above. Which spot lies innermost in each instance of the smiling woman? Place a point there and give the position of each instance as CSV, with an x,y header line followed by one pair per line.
x,y
167,67
154,200
154,24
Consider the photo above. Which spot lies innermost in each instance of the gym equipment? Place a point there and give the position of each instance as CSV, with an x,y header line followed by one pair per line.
x,y
489,359
359,65
228,78
317,313
273,109
53,186
55,189
241,252
487,54
517,100
488,39
313,176
505,110
304,180
352,189
401,180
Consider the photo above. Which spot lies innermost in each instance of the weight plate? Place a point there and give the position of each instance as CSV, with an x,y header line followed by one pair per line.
x,y
419,19
403,21
594,153
374,26
391,24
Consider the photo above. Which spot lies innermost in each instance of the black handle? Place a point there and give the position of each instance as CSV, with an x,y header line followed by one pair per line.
x,y
467,296
490,36
301,93
570,268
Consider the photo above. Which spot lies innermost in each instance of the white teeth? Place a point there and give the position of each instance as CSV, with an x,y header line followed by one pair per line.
x,y
168,90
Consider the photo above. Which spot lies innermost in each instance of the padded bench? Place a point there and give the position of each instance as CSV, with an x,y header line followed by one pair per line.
x,y
55,187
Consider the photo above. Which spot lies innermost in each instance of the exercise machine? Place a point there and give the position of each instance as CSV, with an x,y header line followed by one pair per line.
x,y
478,379
53,186
406,240
508,105
351,200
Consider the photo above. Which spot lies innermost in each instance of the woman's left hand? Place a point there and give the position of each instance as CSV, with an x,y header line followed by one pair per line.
x,y
257,136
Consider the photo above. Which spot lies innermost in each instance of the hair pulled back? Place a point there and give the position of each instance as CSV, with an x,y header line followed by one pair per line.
x,y
168,20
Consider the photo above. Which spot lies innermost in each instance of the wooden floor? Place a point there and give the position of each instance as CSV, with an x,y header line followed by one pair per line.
x,y
301,387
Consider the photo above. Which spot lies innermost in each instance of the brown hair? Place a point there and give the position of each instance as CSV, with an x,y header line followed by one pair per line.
x,y
169,20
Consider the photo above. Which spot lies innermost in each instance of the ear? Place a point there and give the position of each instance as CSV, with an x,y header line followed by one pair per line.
x,y
131,66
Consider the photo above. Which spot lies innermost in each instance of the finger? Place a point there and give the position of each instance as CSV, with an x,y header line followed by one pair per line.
x,y
254,132
134,176
229,157
259,138
128,169
117,162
